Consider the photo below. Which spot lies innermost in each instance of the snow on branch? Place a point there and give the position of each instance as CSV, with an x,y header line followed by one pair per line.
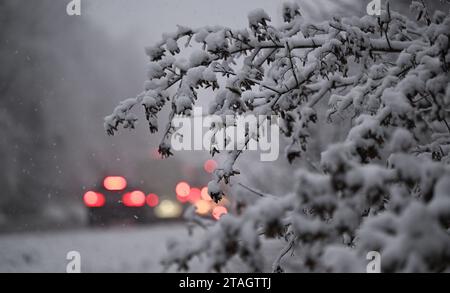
x,y
386,187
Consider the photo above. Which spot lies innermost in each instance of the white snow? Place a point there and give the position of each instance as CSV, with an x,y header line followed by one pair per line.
x,y
257,16
183,103
115,250
154,70
215,41
172,45
198,57
389,93
402,140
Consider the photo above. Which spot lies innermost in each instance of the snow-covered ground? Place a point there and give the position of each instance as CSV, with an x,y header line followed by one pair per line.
x,y
118,250
114,250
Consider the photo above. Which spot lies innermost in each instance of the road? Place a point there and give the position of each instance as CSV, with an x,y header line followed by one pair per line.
x,y
114,250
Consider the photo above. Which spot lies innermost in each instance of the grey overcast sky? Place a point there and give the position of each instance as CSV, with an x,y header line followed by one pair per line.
x,y
150,18
139,23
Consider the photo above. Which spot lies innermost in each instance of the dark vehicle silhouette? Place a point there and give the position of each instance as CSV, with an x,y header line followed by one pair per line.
x,y
115,202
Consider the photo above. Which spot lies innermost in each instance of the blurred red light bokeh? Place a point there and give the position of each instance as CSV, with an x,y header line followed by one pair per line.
x,y
205,195
134,199
152,200
219,211
93,199
115,183
183,199
195,195
183,189
210,166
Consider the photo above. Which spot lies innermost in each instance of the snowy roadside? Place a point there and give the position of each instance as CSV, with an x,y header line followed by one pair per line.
x,y
116,250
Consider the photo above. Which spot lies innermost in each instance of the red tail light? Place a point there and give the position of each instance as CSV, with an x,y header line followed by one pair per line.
x,y
205,194
152,200
182,189
94,199
210,166
134,199
195,195
218,212
115,183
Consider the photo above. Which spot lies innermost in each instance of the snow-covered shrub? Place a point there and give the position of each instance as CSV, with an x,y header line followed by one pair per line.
x,y
385,188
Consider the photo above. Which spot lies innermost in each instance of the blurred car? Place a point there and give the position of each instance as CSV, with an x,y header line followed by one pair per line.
x,y
115,202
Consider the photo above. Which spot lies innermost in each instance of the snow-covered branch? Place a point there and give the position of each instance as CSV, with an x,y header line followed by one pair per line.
x,y
386,187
